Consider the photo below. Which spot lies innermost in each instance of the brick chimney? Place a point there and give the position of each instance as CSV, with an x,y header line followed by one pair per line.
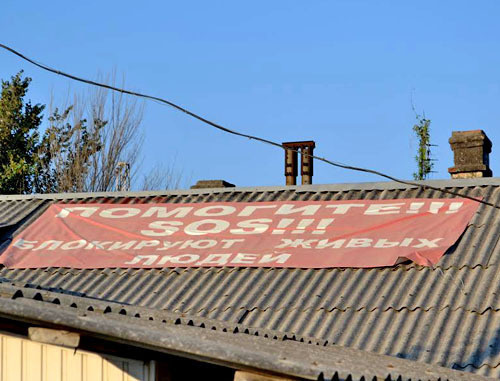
x,y
471,150
202,184
305,148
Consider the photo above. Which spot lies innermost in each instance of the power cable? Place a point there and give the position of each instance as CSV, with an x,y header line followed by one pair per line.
x,y
237,133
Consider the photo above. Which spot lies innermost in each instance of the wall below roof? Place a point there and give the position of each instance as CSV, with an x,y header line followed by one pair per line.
x,y
23,359
94,359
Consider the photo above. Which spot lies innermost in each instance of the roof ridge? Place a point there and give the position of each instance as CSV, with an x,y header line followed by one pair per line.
x,y
385,185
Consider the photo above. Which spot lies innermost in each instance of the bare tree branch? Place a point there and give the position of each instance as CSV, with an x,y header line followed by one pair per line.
x,y
162,177
84,142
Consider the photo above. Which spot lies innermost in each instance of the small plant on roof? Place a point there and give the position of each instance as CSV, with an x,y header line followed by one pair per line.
x,y
423,157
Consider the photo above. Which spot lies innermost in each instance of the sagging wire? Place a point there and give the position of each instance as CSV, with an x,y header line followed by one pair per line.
x,y
237,133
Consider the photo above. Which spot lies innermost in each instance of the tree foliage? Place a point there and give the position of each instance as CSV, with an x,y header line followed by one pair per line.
x,y
65,151
19,124
423,156
81,147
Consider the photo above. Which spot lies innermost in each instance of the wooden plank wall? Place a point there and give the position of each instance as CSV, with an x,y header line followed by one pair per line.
x,y
22,360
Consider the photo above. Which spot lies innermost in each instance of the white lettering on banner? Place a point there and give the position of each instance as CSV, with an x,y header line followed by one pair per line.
x,y
148,260
415,207
306,244
427,243
322,225
86,211
118,245
228,243
277,258
49,245
385,243
161,212
119,212
282,225
73,245
219,211
210,259
406,242
24,245
98,245
308,210
201,244
454,207
244,258
164,259
248,210
256,226
359,242
344,208
302,225
164,228
293,233
169,245
217,227
150,243
186,244
324,243
184,258
217,259
381,243
379,209
435,206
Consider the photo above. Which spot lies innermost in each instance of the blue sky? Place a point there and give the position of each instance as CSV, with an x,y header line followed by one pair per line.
x,y
339,72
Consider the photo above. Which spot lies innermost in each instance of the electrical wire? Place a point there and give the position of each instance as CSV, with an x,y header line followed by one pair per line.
x,y
248,136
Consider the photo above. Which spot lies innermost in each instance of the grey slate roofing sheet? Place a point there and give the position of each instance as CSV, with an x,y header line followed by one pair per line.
x,y
211,341
447,315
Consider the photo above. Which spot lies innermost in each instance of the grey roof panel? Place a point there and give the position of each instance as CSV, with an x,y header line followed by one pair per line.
x,y
456,339
12,212
235,348
217,289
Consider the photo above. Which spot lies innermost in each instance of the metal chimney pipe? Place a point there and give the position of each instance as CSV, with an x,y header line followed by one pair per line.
x,y
291,167
306,162
305,148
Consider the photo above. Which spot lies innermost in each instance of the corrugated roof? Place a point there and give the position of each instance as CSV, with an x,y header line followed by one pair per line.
x,y
236,347
446,315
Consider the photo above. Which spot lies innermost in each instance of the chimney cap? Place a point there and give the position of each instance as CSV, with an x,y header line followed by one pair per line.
x,y
201,184
305,143
471,138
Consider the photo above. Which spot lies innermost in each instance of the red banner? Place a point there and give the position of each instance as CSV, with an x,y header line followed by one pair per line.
x,y
302,234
